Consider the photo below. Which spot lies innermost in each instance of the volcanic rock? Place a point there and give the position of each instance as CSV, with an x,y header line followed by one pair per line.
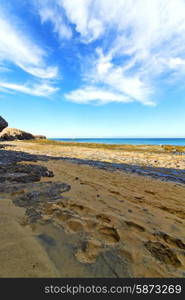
x,y
3,123
39,137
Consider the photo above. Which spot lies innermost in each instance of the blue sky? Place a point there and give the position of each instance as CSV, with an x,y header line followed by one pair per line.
x,y
93,68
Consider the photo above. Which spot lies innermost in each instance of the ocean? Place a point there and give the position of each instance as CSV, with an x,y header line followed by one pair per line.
x,y
128,141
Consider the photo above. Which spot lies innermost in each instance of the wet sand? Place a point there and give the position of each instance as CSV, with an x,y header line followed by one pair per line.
x,y
109,223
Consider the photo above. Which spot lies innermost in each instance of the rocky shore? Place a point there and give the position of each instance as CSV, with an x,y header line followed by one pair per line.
x,y
71,210
90,217
157,164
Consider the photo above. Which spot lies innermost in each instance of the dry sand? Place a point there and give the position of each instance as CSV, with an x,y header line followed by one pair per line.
x,y
110,224
20,253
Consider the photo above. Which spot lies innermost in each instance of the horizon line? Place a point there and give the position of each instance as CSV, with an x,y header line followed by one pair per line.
x,y
116,137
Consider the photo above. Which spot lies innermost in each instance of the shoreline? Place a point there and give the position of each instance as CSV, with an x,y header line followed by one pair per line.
x,y
124,141
90,218
151,161
131,147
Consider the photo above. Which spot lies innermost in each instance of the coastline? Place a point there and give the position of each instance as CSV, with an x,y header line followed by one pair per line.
x,y
101,221
125,141
162,162
157,156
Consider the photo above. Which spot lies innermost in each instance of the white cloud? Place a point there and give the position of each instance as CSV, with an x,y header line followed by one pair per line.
x,y
90,94
139,41
81,14
43,89
124,88
107,73
176,62
44,73
50,12
17,48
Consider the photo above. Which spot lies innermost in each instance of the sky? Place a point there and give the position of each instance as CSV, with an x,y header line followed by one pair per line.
x,y
93,68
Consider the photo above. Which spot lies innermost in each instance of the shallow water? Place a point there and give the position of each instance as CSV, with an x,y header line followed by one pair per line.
x,y
128,141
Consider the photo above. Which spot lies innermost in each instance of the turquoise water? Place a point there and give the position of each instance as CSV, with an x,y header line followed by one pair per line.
x,y
131,141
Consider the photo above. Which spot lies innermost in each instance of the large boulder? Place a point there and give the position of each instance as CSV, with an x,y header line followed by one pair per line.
x,y
3,123
11,134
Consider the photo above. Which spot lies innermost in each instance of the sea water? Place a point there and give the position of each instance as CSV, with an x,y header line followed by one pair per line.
x,y
127,141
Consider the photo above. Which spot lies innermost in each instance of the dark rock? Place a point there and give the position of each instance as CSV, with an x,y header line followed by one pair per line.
x,y
41,192
23,173
33,214
3,123
40,137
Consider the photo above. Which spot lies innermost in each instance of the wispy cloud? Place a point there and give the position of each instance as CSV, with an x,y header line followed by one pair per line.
x,y
50,11
139,42
100,95
42,89
131,46
19,49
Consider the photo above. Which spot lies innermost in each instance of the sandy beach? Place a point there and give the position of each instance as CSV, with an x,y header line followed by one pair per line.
x,y
92,147
78,211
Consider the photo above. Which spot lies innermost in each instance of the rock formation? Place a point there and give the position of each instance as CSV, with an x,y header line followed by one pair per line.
x,y
40,137
3,123
11,134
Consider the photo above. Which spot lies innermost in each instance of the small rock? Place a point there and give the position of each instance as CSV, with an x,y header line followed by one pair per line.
x,y
40,137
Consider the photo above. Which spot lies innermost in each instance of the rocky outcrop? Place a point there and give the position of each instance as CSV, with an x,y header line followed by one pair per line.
x,y
40,137
11,134
3,123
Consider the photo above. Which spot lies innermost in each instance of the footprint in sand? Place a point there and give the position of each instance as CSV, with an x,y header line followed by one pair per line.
x,y
135,225
89,251
64,216
150,192
81,209
103,218
163,253
75,225
176,242
107,234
